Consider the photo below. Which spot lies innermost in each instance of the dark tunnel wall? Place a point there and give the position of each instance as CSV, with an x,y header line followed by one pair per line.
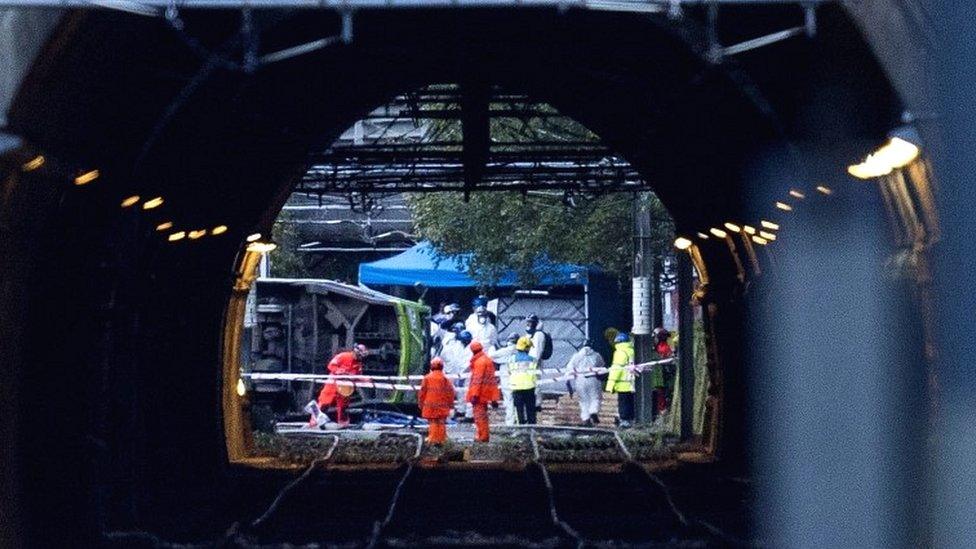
x,y
131,323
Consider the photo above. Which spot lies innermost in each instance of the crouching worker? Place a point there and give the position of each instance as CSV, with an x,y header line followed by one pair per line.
x,y
436,400
482,390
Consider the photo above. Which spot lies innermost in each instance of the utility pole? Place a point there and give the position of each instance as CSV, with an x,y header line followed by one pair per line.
x,y
643,290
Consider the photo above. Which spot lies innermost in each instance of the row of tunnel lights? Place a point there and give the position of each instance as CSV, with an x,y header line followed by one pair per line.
x,y
255,243
897,153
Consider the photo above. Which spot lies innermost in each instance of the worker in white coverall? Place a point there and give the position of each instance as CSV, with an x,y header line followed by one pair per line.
x,y
481,328
457,360
533,328
501,357
589,388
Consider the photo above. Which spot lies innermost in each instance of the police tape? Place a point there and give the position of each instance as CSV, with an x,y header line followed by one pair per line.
x,y
411,383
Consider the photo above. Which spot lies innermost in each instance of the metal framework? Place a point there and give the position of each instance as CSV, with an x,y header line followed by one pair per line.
x,y
541,150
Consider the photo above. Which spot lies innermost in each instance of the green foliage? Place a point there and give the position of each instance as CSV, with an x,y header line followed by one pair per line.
x,y
505,231
286,262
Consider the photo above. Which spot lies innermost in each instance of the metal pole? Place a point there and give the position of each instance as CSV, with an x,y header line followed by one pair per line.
x,y
686,347
641,330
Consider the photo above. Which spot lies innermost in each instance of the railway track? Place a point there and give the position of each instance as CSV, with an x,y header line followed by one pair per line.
x,y
532,506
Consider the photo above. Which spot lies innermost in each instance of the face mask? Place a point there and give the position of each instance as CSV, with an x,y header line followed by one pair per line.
x,y
482,320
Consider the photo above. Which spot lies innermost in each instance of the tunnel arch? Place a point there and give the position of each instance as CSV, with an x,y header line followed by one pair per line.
x,y
208,158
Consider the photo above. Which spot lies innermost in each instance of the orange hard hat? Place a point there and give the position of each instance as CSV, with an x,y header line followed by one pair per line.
x,y
437,363
476,347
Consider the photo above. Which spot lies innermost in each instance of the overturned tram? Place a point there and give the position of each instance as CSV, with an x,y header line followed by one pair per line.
x,y
295,326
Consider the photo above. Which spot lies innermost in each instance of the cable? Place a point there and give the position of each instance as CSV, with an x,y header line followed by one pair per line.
x,y
257,523
380,525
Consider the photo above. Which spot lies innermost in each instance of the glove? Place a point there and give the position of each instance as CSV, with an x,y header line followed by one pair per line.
x,y
494,405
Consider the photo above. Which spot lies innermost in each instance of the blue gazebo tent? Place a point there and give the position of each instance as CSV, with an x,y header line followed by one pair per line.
x,y
575,302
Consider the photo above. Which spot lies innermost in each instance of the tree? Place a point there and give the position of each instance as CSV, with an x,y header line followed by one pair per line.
x,y
505,231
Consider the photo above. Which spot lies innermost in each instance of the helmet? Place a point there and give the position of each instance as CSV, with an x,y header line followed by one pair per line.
x,y
532,318
512,338
457,327
621,337
437,363
464,337
360,350
480,301
477,347
523,343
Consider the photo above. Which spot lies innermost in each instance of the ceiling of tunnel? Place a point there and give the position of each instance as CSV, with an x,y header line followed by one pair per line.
x,y
227,146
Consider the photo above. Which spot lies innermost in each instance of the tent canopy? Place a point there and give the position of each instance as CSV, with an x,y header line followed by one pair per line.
x,y
421,264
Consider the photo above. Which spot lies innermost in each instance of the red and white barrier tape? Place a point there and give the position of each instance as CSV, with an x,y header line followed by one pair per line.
x,y
389,383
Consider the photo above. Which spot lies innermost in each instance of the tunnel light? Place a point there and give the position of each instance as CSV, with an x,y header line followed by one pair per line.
x,y
199,233
130,201
869,169
261,247
759,240
768,236
733,227
219,229
241,387
769,225
33,163
178,235
719,233
797,194
749,229
703,236
682,243
898,153
152,203
253,237
86,178
824,190
164,226
784,206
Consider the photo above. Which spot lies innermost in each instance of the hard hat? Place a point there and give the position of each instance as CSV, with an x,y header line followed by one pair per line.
x,y
360,349
532,318
523,343
621,337
477,347
479,301
437,363
458,327
464,337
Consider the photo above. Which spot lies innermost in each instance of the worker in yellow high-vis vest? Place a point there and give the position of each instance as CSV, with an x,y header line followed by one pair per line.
x,y
620,378
522,379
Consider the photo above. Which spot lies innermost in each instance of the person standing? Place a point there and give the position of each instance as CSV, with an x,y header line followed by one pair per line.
x,y
588,386
521,376
482,390
501,357
481,328
659,375
620,378
533,329
436,400
457,359
345,363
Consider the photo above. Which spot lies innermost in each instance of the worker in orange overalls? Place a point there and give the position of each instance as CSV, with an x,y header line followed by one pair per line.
x,y
345,363
482,390
436,400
